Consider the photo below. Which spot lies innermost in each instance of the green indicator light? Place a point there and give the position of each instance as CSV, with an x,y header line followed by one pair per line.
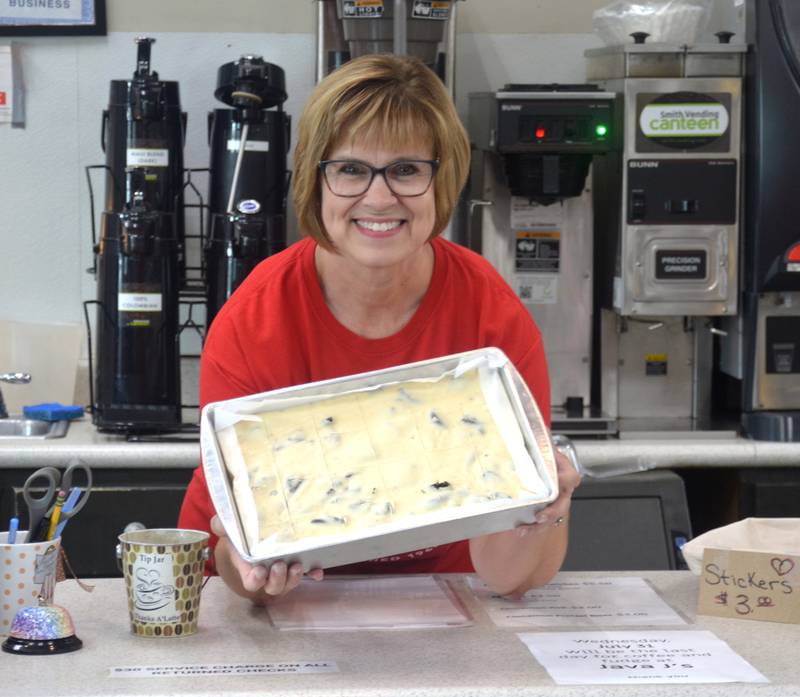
x,y
601,130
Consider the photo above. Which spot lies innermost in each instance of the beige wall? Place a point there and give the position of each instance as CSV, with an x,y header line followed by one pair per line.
x,y
297,16
528,16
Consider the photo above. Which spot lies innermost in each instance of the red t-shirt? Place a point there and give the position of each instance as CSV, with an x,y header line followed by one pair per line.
x,y
276,331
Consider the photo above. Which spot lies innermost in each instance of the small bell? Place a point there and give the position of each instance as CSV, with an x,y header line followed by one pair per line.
x,y
40,630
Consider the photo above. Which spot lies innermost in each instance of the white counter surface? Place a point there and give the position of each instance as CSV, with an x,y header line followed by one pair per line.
x,y
98,450
702,449
479,660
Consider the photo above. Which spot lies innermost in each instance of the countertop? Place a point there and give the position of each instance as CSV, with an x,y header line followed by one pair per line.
x,y
479,660
660,450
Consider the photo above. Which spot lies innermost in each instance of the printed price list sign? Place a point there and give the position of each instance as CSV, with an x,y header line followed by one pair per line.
x,y
580,602
750,585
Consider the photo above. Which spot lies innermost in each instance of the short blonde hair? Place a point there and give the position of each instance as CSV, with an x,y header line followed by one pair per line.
x,y
386,99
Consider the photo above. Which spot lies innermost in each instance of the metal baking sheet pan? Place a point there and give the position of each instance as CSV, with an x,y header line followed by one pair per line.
x,y
451,524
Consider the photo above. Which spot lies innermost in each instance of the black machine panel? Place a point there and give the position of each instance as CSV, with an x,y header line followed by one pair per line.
x,y
549,134
682,192
771,243
541,177
579,125
602,537
783,345
772,205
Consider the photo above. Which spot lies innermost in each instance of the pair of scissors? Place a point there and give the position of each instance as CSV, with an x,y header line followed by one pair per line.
x,y
39,507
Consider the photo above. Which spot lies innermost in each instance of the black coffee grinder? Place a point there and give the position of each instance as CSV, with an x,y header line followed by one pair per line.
x,y
248,178
139,256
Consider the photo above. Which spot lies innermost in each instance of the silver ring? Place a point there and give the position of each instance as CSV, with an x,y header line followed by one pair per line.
x,y
558,521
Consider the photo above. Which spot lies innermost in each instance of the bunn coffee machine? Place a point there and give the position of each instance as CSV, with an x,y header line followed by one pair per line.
x,y
248,179
139,256
761,351
530,215
667,220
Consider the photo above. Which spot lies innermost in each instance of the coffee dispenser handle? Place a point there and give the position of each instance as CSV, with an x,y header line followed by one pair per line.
x,y
287,182
103,130
143,44
476,202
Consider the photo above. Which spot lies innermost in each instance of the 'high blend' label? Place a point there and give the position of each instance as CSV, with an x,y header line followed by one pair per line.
x,y
147,157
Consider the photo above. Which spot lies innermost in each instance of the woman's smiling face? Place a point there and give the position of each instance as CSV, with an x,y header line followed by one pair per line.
x,y
378,229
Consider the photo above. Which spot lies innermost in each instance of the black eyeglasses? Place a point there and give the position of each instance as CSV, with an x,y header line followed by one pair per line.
x,y
351,178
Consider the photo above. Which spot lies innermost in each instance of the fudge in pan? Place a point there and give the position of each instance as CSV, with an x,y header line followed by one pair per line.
x,y
362,459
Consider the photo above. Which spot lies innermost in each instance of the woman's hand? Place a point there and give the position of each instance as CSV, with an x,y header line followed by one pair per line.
x,y
255,581
557,513
528,556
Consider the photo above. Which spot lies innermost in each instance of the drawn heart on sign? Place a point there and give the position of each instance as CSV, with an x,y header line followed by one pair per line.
x,y
782,566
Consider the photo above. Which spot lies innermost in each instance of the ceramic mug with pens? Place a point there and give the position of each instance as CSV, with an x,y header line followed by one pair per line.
x,y
27,573
61,501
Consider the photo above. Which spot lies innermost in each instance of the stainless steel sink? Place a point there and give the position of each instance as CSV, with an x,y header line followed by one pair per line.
x,y
32,428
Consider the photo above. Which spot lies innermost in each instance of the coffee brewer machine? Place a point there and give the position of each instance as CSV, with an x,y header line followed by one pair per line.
x,y
139,257
351,28
667,222
761,350
248,178
530,214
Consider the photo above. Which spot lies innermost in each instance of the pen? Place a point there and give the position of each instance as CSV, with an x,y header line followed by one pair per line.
x,y
13,526
56,514
69,504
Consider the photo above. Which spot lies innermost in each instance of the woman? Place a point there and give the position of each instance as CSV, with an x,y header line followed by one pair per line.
x,y
380,160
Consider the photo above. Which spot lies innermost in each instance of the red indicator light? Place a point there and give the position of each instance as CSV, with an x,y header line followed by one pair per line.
x,y
794,253
540,133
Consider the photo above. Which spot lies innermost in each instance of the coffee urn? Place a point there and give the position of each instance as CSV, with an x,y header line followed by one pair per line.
x,y
145,128
139,256
248,178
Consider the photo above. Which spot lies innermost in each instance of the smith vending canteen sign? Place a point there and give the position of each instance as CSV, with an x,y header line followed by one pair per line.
x,y
683,121
680,120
